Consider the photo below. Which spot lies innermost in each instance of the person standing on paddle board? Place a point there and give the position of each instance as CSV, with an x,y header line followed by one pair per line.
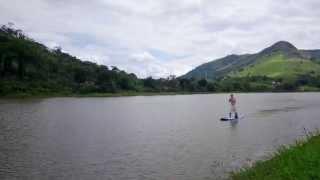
x,y
233,101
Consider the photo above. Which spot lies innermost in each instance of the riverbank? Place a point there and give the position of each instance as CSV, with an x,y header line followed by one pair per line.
x,y
300,161
118,94
127,93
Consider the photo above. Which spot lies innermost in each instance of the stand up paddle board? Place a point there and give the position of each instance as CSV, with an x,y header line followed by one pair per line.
x,y
230,119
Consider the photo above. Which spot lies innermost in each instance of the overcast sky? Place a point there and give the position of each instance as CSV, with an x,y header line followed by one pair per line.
x,y
162,37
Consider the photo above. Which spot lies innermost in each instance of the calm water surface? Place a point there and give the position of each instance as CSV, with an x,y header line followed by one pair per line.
x,y
152,137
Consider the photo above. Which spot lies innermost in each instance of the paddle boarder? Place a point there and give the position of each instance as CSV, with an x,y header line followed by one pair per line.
x,y
233,101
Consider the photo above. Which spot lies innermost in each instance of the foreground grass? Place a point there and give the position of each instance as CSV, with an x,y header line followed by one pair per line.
x,y
300,162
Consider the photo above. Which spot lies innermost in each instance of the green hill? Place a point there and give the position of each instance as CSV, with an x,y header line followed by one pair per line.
x,y
279,65
280,59
28,67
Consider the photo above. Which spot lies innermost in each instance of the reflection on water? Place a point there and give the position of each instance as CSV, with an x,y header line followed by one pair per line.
x,y
158,137
234,123
282,109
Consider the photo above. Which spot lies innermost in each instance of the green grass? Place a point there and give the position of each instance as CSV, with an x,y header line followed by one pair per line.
x,y
298,162
279,65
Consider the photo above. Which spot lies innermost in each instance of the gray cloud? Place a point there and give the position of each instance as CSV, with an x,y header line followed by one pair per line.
x,y
164,37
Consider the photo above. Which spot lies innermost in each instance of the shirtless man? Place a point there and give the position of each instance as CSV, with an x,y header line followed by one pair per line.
x,y
232,101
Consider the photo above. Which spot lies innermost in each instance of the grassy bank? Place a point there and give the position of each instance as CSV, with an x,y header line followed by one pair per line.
x,y
301,162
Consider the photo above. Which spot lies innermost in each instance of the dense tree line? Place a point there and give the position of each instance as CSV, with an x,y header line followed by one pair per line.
x,y
28,67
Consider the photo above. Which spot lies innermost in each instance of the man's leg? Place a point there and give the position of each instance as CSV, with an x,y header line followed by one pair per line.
x,y
236,115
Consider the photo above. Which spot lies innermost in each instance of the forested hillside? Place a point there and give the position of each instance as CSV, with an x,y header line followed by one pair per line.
x,y
30,68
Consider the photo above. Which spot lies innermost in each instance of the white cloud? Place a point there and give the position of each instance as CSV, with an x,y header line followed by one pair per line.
x,y
143,57
185,33
145,64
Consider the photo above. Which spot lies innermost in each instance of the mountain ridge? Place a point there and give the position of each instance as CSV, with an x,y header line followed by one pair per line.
x,y
223,66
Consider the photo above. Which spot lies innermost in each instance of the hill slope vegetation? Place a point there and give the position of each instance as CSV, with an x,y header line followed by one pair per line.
x,y
278,65
281,53
28,68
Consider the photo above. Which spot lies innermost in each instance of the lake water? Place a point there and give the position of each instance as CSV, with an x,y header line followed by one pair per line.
x,y
147,137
